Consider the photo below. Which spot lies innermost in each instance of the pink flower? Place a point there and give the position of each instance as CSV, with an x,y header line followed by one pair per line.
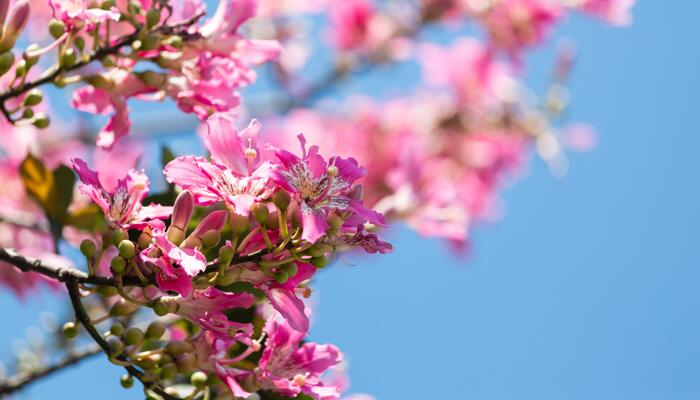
x,y
287,366
121,204
617,12
235,174
321,187
351,20
77,14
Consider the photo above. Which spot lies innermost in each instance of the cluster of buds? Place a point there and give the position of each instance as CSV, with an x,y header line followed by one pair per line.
x,y
239,247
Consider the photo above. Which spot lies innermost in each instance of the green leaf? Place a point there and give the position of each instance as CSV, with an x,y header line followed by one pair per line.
x,y
64,180
89,218
52,190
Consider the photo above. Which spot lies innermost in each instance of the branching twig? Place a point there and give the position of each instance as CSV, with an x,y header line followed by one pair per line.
x,y
19,381
82,316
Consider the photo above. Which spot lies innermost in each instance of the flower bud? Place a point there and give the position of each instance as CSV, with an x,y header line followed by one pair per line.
x,y
281,199
116,329
106,291
40,120
100,81
214,221
28,113
211,239
56,28
150,42
122,308
79,42
68,58
176,348
127,249
32,98
290,268
334,223
29,56
169,371
107,4
118,236
118,265
239,224
127,381
4,6
115,343
152,17
260,213
16,21
6,60
175,41
21,68
225,255
320,250
70,330
88,248
198,379
182,214
185,362
320,262
133,336
162,308
281,277
273,221
155,330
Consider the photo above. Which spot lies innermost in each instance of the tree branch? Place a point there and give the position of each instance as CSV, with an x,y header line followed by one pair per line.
x,y
72,284
19,381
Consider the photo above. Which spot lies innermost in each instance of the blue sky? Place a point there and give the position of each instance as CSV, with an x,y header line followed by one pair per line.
x,y
585,290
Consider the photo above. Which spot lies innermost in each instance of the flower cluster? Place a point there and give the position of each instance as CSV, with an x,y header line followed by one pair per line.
x,y
269,219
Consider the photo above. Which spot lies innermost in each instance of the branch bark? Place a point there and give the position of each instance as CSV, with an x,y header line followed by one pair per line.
x,y
19,381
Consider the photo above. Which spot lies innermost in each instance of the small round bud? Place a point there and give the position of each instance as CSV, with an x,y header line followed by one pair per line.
x,y
198,379
185,362
6,61
320,262
79,42
225,255
290,268
56,28
28,55
68,58
155,330
107,4
40,120
160,308
133,336
127,249
211,238
118,236
320,250
281,277
152,17
260,212
122,308
281,199
150,42
177,348
115,343
88,248
99,81
70,330
28,113
332,171
32,98
21,68
118,265
169,371
116,329
127,381
239,224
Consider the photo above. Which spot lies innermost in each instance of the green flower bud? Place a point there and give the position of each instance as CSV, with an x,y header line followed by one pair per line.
x,y
239,224
160,308
118,236
31,60
28,113
116,329
281,277
147,364
169,371
210,239
122,308
198,379
99,81
127,381
273,221
260,213
32,98
107,4
155,330
150,42
133,336
185,362
79,42
175,41
152,17
68,58
106,291
6,61
56,28
118,265
88,248
70,330
115,344
177,348
320,262
320,250
290,268
281,199
127,249
41,120
21,68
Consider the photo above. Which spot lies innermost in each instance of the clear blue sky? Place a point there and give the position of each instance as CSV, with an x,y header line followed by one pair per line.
x,y
586,290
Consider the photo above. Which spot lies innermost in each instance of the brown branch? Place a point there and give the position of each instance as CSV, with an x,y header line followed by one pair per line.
x,y
126,40
73,286
19,381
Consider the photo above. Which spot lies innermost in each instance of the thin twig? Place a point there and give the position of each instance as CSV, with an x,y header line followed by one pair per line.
x,y
19,381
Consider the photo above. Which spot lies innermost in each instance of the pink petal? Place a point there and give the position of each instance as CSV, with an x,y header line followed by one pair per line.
x,y
291,308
